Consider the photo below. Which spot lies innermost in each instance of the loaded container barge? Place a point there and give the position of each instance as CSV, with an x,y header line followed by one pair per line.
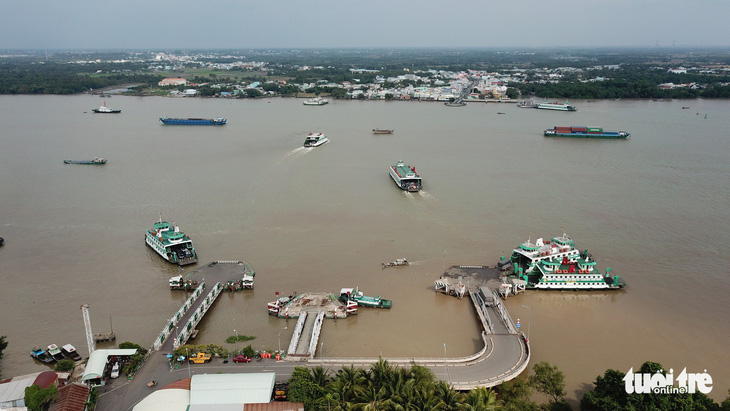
x,y
585,132
218,121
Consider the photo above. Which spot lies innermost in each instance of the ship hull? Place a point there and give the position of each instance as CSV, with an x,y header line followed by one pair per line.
x,y
166,252
411,184
193,121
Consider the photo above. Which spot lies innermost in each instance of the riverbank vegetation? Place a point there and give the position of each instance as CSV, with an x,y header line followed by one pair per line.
x,y
387,387
545,73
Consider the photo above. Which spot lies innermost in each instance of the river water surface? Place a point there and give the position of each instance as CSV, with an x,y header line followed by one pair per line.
x,y
655,208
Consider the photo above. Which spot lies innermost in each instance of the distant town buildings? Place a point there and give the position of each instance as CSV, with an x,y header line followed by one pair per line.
x,y
172,81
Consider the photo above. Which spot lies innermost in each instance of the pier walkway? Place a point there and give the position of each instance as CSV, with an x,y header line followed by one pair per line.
x,y
199,302
505,354
306,335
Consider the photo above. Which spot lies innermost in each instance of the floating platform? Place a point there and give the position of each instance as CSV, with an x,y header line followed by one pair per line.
x,y
233,275
295,306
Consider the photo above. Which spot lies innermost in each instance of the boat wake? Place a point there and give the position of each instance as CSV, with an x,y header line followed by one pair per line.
x,y
297,152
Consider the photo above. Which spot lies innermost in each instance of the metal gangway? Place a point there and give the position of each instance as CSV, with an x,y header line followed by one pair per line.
x,y
304,340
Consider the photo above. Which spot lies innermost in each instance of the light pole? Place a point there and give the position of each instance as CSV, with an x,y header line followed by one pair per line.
x,y
321,349
446,370
278,336
236,332
529,320
188,358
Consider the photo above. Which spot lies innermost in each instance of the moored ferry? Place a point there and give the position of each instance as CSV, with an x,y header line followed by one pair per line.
x,y
558,265
315,140
585,132
218,121
171,244
555,106
317,101
406,177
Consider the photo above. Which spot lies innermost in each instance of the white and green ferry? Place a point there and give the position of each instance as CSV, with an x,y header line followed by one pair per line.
x,y
558,265
406,177
171,243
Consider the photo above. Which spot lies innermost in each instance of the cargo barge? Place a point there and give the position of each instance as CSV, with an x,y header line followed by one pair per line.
x,y
218,121
585,132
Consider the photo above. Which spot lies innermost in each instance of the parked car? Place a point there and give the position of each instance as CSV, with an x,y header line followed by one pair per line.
x,y
241,358
115,370
200,358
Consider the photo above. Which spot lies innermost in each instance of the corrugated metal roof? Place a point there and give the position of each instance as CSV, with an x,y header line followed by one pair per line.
x,y
97,362
165,400
244,388
14,389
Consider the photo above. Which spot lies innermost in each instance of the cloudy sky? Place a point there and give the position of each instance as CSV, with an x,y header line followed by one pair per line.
x,y
155,24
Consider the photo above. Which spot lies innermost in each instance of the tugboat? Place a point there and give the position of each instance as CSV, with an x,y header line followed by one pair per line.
x,y
558,265
315,140
406,177
171,244
105,110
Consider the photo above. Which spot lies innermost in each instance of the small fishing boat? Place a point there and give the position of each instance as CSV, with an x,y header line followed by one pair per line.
x,y
41,355
95,161
397,263
382,131
55,352
70,352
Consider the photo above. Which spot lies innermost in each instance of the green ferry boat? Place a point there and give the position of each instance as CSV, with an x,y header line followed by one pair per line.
x,y
354,294
171,243
558,265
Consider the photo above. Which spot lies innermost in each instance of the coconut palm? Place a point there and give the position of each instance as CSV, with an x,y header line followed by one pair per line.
x,y
481,399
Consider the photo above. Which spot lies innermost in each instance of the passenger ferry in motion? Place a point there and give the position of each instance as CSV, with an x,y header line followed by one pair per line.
x,y
406,177
315,140
555,106
558,265
171,244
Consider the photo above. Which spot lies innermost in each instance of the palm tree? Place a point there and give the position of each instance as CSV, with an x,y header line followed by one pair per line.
x,y
320,376
374,399
348,383
452,399
481,399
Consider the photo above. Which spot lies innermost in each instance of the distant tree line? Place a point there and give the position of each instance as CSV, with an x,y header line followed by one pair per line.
x,y
56,78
